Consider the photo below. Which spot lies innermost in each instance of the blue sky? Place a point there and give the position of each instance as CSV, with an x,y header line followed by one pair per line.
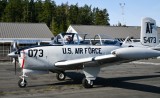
x,y
134,10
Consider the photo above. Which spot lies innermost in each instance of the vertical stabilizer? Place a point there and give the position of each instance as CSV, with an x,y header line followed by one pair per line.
x,y
149,35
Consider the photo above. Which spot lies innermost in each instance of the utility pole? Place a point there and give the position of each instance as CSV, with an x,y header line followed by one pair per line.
x,y
122,13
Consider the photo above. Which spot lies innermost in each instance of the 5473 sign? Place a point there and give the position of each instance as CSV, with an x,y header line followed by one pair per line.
x,y
149,39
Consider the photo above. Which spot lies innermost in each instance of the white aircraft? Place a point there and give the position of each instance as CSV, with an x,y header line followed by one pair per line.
x,y
75,53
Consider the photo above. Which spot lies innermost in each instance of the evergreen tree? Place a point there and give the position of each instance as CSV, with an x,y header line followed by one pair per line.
x,y
3,4
85,15
25,11
46,15
101,17
38,10
61,22
106,17
73,14
57,18
13,11
31,11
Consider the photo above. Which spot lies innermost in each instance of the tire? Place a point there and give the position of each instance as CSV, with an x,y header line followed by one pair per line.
x,y
61,76
86,84
22,85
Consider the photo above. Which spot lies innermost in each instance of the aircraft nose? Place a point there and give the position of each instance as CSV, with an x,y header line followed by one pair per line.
x,y
13,54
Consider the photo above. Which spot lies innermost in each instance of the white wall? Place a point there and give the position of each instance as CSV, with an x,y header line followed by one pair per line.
x,y
71,30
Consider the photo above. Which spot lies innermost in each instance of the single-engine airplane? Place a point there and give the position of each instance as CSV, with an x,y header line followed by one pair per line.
x,y
78,53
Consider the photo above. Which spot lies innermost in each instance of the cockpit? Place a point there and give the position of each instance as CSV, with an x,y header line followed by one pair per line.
x,y
67,39
84,39
104,40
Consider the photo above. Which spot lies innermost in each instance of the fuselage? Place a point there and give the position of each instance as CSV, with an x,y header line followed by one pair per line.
x,y
45,57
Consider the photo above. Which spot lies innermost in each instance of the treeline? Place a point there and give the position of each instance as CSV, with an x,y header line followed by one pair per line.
x,y
57,17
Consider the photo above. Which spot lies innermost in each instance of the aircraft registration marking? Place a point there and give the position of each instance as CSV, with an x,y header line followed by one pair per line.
x,y
149,39
149,30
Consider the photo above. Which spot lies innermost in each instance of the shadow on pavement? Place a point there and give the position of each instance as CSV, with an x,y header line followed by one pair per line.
x,y
120,82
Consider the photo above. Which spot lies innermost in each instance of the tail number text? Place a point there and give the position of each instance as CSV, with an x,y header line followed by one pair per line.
x,y
149,39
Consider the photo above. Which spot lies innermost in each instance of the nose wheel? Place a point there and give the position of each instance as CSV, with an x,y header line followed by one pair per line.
x,y
61,76
86,83
22,83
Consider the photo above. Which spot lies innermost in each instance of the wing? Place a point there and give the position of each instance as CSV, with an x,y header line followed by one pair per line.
x,y
117,56
80,62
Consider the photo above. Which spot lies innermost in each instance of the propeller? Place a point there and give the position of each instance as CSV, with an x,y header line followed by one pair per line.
x,y
14,55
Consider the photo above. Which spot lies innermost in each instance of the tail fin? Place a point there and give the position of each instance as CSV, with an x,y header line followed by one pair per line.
x,y
149,35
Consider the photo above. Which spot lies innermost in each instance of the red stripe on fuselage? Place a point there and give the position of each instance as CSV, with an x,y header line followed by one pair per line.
x,y
23,60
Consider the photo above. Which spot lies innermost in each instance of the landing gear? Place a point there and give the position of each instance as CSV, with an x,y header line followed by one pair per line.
x,y
91,73
22,83
86,83
61,76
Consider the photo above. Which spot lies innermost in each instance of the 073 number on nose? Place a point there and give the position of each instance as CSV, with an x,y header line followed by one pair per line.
x,y
35,53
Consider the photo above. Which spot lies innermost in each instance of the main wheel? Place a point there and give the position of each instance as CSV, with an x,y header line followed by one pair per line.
x,y
86,84
61,76
22,84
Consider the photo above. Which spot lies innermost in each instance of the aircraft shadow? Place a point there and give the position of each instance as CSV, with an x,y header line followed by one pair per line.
x,y
120,82
123,82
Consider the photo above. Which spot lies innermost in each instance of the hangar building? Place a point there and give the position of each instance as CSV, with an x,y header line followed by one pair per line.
x,y
24,34
116,32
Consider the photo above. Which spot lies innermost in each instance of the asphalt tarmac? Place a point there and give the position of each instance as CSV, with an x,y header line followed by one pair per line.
x,y
131,80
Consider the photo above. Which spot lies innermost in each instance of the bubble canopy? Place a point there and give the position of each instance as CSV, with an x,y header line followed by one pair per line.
x,y
84,39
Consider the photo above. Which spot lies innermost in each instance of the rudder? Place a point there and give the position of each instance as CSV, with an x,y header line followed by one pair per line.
x,y
149,34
